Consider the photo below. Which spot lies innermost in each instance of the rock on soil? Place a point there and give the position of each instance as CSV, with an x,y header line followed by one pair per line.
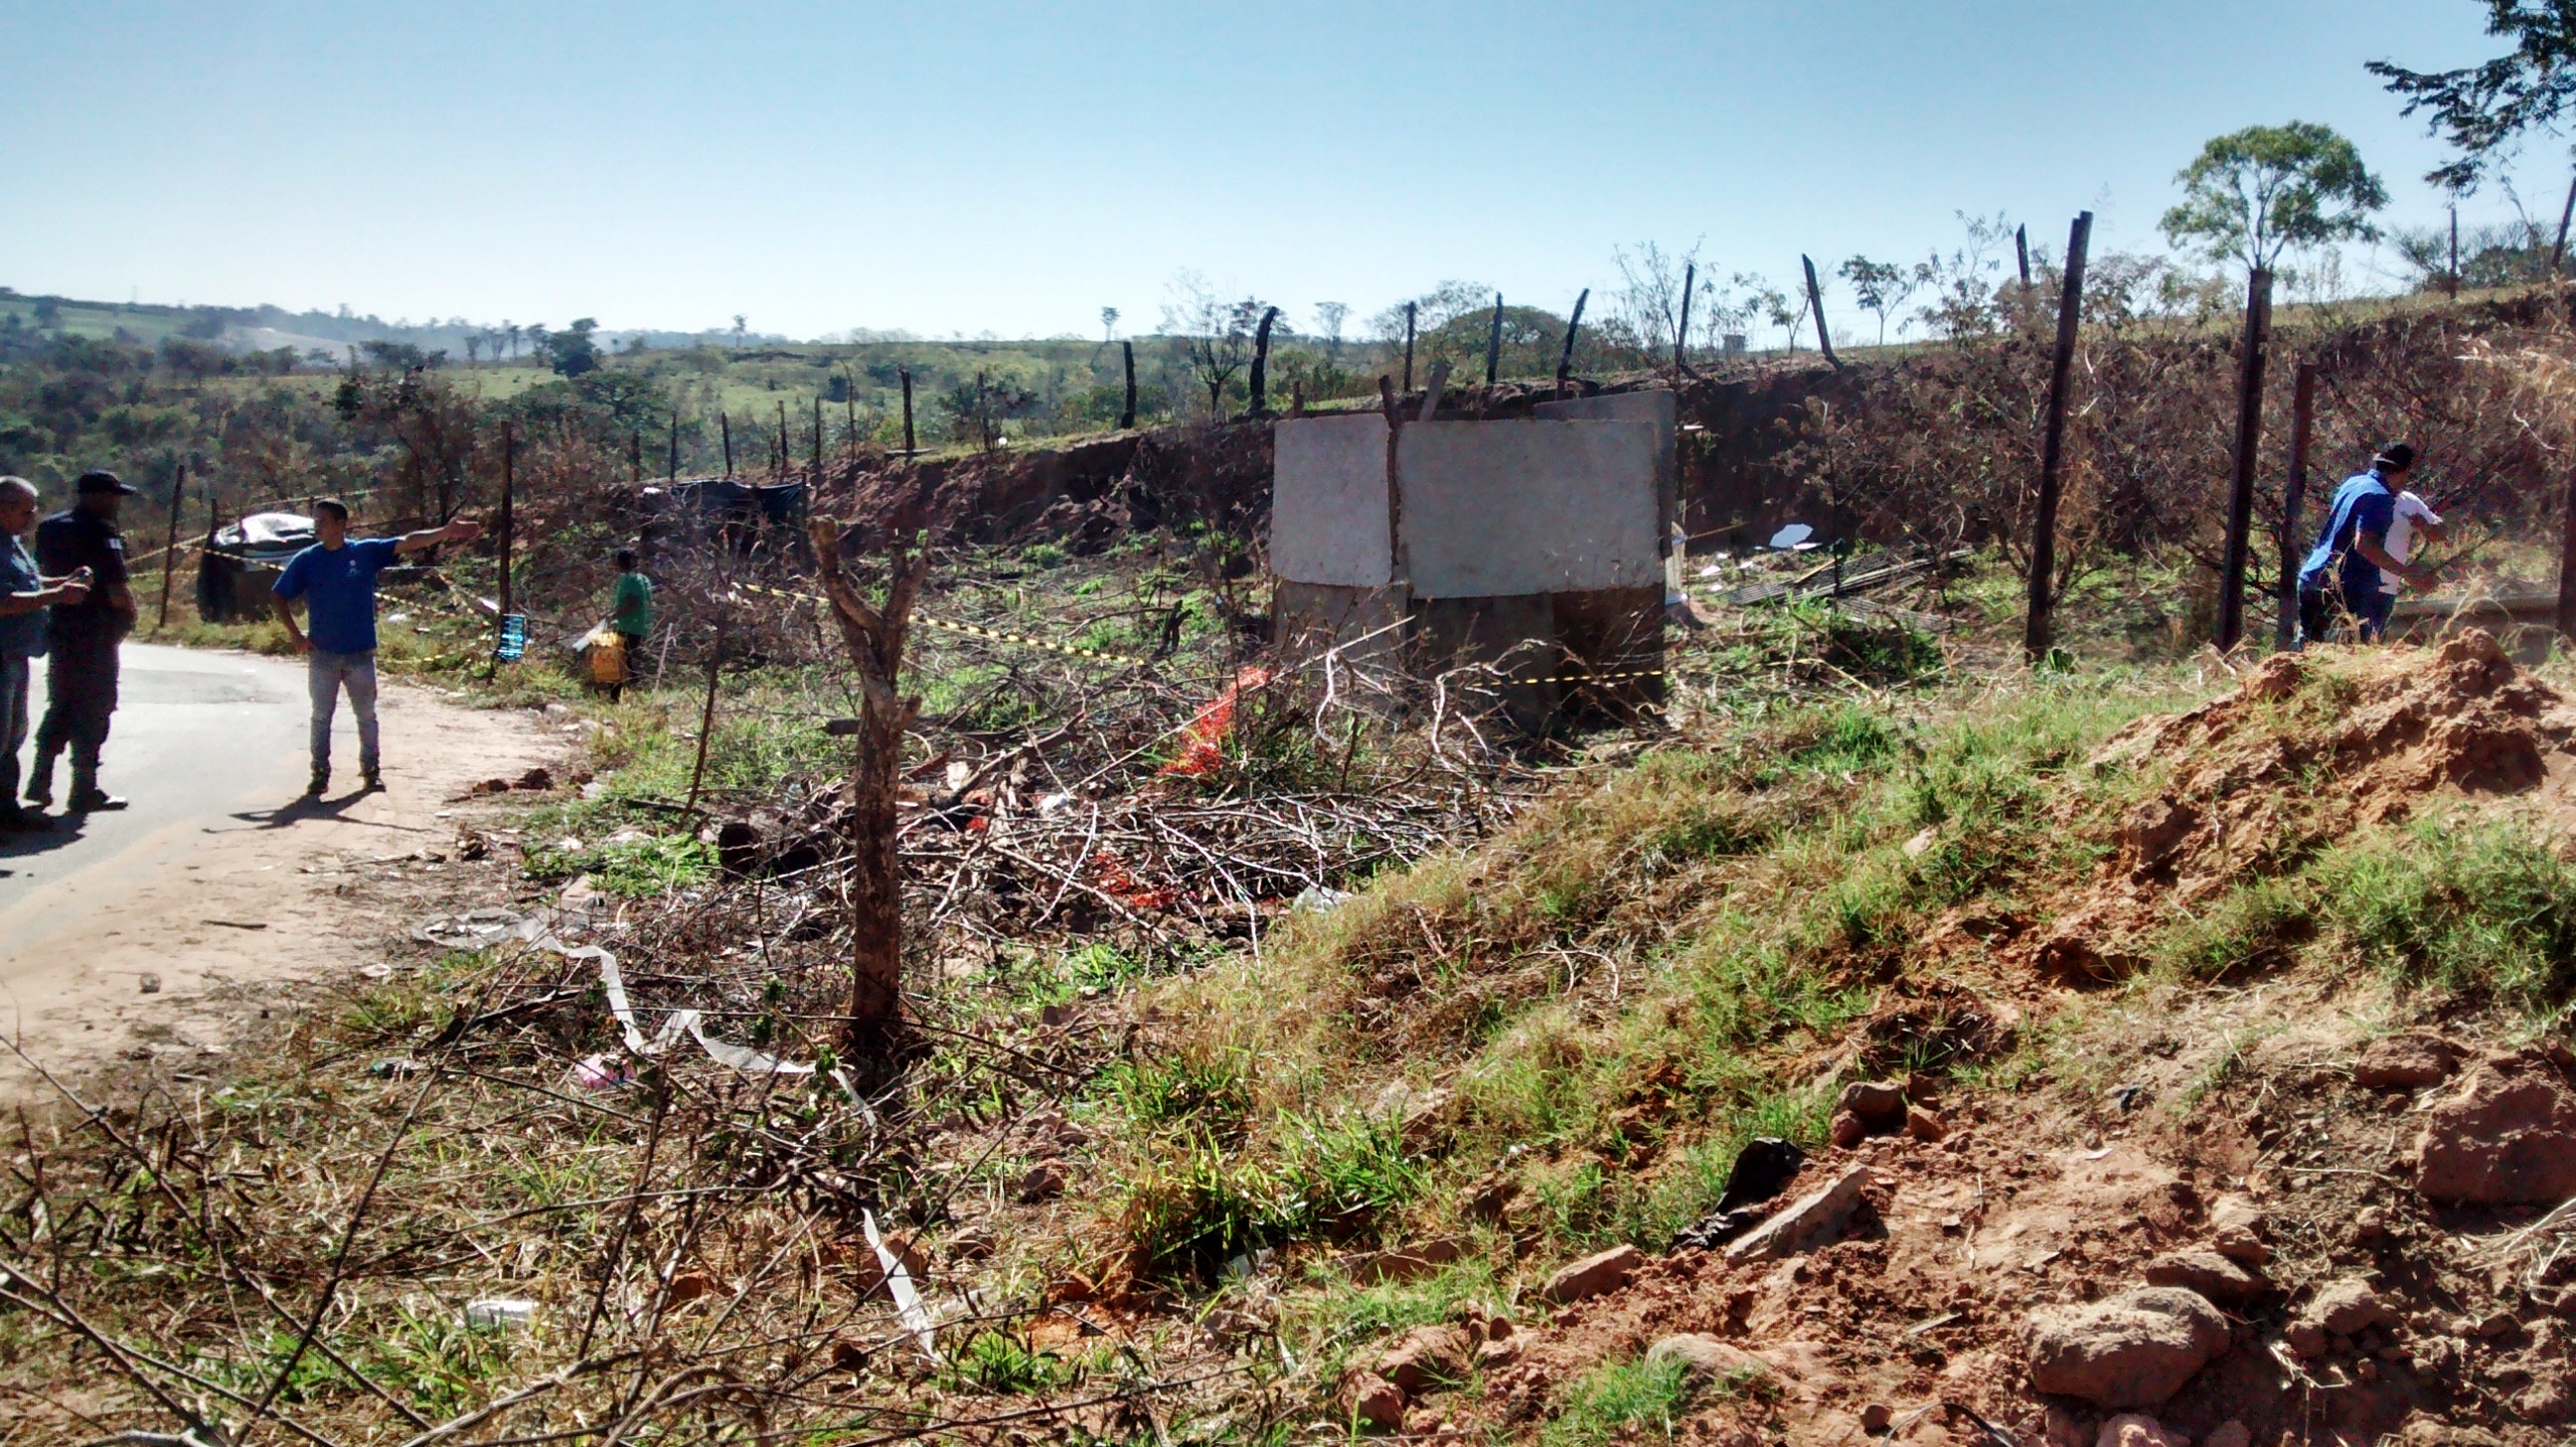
x,y
2507,1137
2132,1430
2131,1350
2348,1307
1806,1223
1705,1357
1593,1275
2410,1061
1879,1104
1423,1357
2237,1227
1373,1401
2212,1275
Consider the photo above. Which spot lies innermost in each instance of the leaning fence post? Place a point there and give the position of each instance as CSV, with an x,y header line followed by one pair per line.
x,y
707,719
1816,304
1565,359
1681,334
2249,440
2043,542
2303,399
170,554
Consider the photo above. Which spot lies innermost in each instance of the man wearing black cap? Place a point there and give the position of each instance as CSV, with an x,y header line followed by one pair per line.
x,y
2343,572
81,639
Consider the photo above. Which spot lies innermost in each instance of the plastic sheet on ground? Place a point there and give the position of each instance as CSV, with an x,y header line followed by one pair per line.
x,y
1203,738
477,928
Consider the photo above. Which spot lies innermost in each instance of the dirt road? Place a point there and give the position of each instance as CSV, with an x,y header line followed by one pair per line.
x,y
150,931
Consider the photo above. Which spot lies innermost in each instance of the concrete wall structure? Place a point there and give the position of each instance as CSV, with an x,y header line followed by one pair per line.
x,y
1328,513
1659,409
1533,545
1496,509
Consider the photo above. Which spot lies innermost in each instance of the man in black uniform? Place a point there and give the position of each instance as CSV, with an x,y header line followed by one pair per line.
x,y
80,672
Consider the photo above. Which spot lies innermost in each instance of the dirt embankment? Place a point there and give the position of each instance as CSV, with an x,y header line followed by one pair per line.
x,y
2240,1215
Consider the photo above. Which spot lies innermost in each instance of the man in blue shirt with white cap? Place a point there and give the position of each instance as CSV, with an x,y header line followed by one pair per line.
x,y
2343,572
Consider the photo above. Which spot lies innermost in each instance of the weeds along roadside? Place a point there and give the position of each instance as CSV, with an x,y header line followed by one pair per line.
x,y
1546,1043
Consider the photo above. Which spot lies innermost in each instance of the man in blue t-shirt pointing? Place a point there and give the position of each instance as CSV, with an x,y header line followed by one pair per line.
x,y
336,578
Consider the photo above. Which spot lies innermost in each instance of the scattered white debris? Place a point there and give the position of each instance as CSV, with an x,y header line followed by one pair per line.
x,y
500,1312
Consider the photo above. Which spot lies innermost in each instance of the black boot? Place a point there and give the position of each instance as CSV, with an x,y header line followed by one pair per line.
x,y
87,797
40,781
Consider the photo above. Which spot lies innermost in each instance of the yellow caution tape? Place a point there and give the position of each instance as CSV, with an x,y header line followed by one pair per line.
x,y
998,635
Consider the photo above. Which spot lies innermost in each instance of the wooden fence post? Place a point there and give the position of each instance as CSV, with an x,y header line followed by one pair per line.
x,y
509,469
675,444
2566,213
905,373
2455,251
2021,247
818,438
1816,304
1681,334
1127,414
2249,441
1494,342
2303,400
1573,324
783,454
2043,542
170,554
1408,348
2567,564
1261,364
707,717
635,456
724,424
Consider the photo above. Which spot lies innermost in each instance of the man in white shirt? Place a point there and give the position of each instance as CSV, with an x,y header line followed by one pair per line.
x,y
2413,518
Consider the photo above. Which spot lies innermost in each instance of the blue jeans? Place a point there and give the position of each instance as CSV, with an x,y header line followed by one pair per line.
x,y
327,674
15,680
2322,611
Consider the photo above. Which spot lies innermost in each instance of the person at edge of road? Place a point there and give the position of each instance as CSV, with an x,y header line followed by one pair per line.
x,y
336,578
25,595
81,640
2342,575
630,614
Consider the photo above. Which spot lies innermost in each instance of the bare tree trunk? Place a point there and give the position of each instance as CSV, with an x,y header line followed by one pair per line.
x,y
874,1033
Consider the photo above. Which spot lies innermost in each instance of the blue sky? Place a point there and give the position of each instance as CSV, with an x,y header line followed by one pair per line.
x,y
966,167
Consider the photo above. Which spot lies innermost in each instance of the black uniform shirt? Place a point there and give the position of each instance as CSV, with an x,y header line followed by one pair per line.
x,y
78,539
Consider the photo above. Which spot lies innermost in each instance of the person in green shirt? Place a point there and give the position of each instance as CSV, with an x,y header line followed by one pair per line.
x,y
631,614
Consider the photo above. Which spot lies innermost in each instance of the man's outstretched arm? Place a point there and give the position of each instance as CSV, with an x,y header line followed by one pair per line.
x,y
462,530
